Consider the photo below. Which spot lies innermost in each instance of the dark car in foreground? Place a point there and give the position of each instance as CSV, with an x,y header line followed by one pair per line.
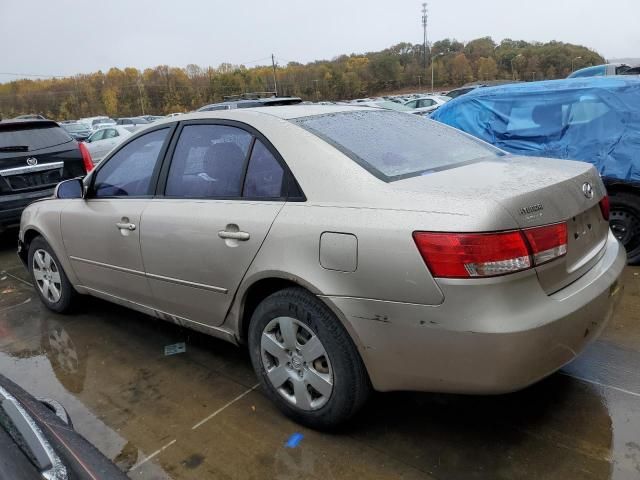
x,y
595,120
37,441
35,155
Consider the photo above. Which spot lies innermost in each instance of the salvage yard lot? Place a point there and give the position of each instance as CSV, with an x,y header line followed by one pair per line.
x,y
199,414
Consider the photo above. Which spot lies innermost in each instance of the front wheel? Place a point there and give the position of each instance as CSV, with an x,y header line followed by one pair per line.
x,y
305,360
624,220
52,285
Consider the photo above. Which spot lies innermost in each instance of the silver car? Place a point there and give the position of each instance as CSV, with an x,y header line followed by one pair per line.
x,y
350,248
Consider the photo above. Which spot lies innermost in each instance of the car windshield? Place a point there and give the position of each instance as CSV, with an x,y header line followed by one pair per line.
x,y
394,145
389,105
103,121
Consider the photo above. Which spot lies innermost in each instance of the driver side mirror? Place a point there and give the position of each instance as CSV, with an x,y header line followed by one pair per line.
x,y
73,188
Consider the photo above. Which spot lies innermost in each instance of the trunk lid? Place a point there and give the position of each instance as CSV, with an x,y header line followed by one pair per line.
x,y
36,155
535,192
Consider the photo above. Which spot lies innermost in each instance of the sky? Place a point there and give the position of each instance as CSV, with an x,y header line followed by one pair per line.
x,y
65,37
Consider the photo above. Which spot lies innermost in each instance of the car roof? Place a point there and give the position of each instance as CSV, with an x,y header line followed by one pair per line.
x,y
284,112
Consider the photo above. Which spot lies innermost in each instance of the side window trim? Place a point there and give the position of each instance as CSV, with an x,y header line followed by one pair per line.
x,y
156,172
293,194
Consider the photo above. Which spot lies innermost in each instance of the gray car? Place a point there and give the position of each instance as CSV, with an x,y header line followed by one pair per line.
x,y
350,248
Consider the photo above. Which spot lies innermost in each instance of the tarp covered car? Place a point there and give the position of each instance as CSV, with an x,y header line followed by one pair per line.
x,y
596,120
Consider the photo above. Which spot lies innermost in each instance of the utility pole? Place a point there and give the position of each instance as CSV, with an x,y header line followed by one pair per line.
x,y
140,93
275,82
424,30
573,60
419,77
315,82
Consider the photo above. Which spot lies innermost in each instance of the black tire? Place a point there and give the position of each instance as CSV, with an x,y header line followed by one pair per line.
x,y
67,293
624,220
351,386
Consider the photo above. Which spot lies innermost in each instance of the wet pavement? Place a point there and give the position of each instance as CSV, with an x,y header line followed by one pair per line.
x,y
199,415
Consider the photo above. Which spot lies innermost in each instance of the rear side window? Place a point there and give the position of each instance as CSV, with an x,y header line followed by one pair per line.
x,y
33,136
128,173
394,145
208,162
264,174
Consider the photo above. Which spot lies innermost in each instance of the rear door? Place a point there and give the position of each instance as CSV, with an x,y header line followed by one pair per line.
x,y
101,233
202,232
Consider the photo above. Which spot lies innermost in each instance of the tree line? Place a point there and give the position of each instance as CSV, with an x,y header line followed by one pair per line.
x,y
164,89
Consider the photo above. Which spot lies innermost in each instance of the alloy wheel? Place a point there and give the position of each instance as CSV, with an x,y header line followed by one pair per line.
x,y
47,275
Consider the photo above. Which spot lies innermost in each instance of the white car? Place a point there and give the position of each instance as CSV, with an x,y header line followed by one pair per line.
x,y
427,103
96,123
104,140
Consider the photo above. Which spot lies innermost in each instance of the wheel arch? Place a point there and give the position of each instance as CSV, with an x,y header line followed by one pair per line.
x,y
618,186
259,287
28,236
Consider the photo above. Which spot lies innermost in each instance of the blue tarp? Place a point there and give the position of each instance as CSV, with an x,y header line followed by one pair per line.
x,y
596,120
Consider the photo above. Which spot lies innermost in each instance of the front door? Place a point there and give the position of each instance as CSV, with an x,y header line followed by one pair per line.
x,y
101,233
223,192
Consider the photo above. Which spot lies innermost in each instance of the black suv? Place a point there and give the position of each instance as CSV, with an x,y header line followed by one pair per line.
x,y
35,155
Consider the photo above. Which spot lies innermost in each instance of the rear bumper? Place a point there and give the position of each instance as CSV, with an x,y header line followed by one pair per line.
x,y
11,206
488,336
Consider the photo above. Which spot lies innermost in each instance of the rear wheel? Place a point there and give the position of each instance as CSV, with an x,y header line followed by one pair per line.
x,y
624,220
52,284
305,360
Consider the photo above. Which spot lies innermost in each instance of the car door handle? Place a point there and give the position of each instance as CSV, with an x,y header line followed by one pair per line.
x,y
242,236
126,226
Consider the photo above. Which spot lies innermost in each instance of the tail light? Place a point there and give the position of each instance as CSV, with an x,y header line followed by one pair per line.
x,y
604,207
466,255
86,157
547,243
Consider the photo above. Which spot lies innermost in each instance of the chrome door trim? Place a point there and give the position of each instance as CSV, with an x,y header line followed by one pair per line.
x,y
187,283
7,172
106,265
153,276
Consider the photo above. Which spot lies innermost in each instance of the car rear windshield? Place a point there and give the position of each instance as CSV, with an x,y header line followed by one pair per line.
x,y
34,136
393,145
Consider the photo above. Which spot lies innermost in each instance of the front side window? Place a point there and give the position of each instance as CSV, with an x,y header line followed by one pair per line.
x,y
394,145
128,173
264,174
208,162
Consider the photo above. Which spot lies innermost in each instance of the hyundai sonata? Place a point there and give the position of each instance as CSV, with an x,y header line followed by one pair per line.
x,y
350,248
